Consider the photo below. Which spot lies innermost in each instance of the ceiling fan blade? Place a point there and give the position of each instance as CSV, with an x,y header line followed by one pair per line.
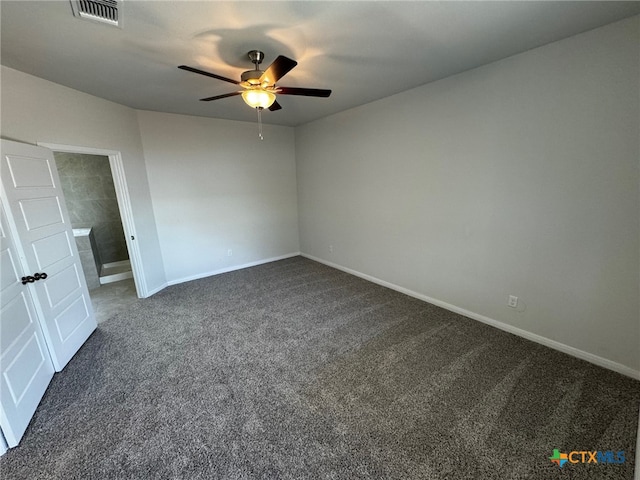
x,y
208,74
305,92
218,97
275,106
278,69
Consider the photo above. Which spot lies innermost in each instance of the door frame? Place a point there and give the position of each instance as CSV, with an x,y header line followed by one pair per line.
x,y
124,206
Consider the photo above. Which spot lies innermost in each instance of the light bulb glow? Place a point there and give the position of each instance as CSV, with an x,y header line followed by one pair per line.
x,y
258,98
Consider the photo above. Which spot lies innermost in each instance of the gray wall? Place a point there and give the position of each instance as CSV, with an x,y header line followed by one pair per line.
x,y
90,196
216,187
519,177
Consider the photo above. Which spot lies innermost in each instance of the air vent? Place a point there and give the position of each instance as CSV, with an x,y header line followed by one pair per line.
x,y
103,11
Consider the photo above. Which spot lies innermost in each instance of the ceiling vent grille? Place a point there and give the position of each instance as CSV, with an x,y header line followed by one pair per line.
x,y
103,11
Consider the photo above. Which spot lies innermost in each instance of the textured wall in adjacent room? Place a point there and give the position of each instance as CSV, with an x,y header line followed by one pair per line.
x,y
88,188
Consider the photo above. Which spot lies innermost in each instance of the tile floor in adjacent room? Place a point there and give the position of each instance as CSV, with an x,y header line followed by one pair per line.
x,y
112,298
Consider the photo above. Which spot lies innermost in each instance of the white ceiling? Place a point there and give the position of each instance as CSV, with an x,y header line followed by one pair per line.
x,y
361,50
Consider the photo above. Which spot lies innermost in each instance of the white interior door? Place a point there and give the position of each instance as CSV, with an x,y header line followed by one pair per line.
x,y
44,239
25,365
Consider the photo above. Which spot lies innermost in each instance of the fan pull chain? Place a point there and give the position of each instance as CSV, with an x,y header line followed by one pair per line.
x,y
259,109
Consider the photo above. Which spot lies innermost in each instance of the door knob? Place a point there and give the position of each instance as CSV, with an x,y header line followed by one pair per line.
x,y
36,276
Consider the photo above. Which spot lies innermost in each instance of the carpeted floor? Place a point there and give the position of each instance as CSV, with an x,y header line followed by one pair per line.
x,y
295,370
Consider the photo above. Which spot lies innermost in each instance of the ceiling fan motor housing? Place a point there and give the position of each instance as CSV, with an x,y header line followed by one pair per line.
x,y
251,77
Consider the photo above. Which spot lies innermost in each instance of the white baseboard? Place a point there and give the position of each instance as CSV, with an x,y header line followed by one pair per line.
x,y
148,293
120,263
575,352
116,277
232,268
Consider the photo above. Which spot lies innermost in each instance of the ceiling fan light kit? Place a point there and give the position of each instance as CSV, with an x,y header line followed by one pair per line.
x,y
260,86
258,98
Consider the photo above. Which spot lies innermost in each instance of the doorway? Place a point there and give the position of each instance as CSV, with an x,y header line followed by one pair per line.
x,y
87,183
121,266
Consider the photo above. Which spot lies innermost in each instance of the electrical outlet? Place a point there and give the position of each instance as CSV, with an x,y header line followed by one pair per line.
x,y
513,301
229,252
330,248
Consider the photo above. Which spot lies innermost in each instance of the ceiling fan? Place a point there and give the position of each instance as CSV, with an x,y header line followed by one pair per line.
x,y
259,87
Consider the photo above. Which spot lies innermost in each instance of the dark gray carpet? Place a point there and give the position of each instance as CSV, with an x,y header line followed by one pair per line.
x,y
295,370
